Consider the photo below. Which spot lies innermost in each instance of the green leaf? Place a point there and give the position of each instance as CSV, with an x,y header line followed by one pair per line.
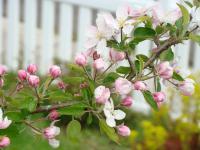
x,y
159,29
189,4
74,80
110,132
110,78
144,33
73,130
158,85
75,68
59,95
123,70
167,55
74,110
178,77
15,116
149,98
185,14
142,57
138,66
195,38
86,93
89,119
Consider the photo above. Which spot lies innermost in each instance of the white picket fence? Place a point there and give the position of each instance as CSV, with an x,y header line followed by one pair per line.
x,y
37,31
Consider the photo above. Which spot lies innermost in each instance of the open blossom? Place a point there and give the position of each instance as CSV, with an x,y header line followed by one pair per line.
x,y
33,80
159,96
123,130
55,71
187,87
32,69
127,101
4,122
54,143
139,85
99,64
123,86
97,36
102,94
2,70
22,75
111,114
81,59
116,56
164,70
1,82
4,142
53,115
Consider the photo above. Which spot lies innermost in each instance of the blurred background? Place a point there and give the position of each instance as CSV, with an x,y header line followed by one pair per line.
x,y
51,31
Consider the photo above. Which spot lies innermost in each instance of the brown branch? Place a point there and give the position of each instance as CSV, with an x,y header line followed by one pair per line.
x,y
52,107
155,55
130,62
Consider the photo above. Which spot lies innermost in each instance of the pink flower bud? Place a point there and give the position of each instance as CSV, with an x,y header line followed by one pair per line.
x,y
55,71
116,56
33,80
187,87
2,70
1,82
53,115
102,94
127,101
159,96
99,64
164,70
4,142
81,59
22,75
123,86
139,85
123,130
32,68
51,132
61,85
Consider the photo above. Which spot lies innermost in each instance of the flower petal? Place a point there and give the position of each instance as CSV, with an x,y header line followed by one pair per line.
x,y
119,114
54,143
111,122
122,13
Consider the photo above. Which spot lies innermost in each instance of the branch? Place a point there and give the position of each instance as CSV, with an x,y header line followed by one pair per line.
x,y
155,55
52,107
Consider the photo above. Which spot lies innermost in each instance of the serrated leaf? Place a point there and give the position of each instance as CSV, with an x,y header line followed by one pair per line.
x,y
123,70
74,80
142,57
195,38
178,77
144,33
59,95
138,66
73,130
110,78
185,14
167,55
149,98
75,68
110,132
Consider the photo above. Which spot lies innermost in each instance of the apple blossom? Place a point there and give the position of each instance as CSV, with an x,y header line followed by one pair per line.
x,y
111,114
123,130
164,70
123,86
4,122
53,115
139,85
33,80
159,96
22,75
81,59
116,56
99,64
127,101
54,143
4,142
102,94
51,132
32,69
61,85
187,87
2,70
55,71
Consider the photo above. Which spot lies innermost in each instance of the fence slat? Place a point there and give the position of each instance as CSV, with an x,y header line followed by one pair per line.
x,y
65,32
12,51
1,30
182,51
197,57
30,15
47,52
84,20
